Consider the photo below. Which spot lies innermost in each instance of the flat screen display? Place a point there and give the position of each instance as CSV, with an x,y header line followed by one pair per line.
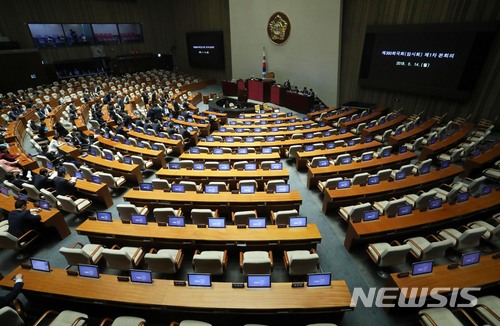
x,y
242,150
445,164
257,223
281,189
249,139
89,271
319,279
435,203
247,189
420,268
403,149
425,169
141,276
209,139
270,138
104,216
330,145
463,196
386,153
404,210
4,191
344,184
49,165
199,166
323,163
250,167
146,186
229,139
194,150
22,197
370,215
258,281
309,148
224,167
44,205
218,151
127,160
96,179
198,279
345,160
209,189
471,258
178,188
267,150
108,156
276,166
366,157
486,190
176,221
139,219
373,180
40,265
298,222
205,50
400,175
79,175
216,222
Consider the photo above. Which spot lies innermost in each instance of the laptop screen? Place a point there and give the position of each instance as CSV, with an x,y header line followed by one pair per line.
x,y
344,184
471,258
127,160
257,222
22,197
209,189
317,279
400,175
210,139
425,169
366,157
276,166
250,167
298,222
104,216
370,215
197,279
146,186
323,163
386,153
217,151
90,271
138,219
345,160
49,165
194,150
216,222
176,221
435,203
420,268
373,180
281,189
141,276
96,179
40,265
4,191
486,190
44,205
267,150
445,164
368,139
242,150
199,166
248,189
108,156
463,196
224,166
270,138
309,148
178,188
403,149
259,281
404,210
78,175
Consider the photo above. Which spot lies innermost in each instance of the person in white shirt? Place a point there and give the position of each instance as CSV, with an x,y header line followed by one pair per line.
x,y
54,145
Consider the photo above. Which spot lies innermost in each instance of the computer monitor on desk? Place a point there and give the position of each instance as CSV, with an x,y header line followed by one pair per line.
x,y
256,222
146,186
319,279
177,221
258,281
139,219
298,222
217,222
435,203
178,188
247,189
371,215
88,271
404,210
421,268
282,189
199,279
471,258
141,276
40,265
104,217
373,180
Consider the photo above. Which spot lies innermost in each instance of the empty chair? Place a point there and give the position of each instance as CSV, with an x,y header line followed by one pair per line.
x,y
8,241
329,184
12,187
415,145
424,165
384,175
70,168
222,186
271,184
291,152
360,179
87,172
440,317
210,261
189,322
211,165
488,309
143,165
340,143
186,164
256,262
111,181
338,160
191,185
492,232
301,262
448,193
354,212
123,258
66,317
428,248
315,161
79,253
358,128
389,207
297,136
165,261
241,217
9,316
421,200
125,211
226,150
32,191
464,238
240,165
385,255
50,198
453,155
283,217
407,169
201,215
247,183
75,206
319,146
383,137
161,184
161,214
123,321
472,186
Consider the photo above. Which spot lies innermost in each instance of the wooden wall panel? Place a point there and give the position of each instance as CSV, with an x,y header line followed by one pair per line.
x,y
357,14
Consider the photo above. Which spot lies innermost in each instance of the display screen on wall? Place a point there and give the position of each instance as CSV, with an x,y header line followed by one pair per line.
x,y
206,50
106,33
442,60
130,33
47,35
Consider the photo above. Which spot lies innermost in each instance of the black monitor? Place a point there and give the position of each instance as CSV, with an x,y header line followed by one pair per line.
x,y
330,145
404,210
471,258
298,222
345,160
291,128
22,197
368,139
217,222
104,217
373,180
370,215
40,265
435,203
463,196
209,139
199,166
344,184
351,142
257,222
88,271
445,164
199,279
327,133
386,153
270,138
425,169
141,276
403,149
319,279
49,165
242,150
258,281
108,156
309,148
139,219
127,160
247,189
155,147
178,188
421,268
176,221
309,135
282,189
146,186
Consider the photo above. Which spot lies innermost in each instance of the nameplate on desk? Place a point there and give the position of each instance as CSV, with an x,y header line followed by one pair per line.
x,y
201,226
297,284
241,226
453,265
234,192
403,274
180,283
162,223
136,188
238,285
269,191
122,278
125,222
281,226
356,220
71,273
496,256
92,218
26,266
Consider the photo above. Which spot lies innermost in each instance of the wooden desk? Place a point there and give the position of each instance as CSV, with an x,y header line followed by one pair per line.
x,y
375,114
316,114
443,145
323,173
191,236
481,275
335,117
131,172
409,135
225,202
419,221
268,119
302,157
481,161
387,189
204,128
298,102
52,218
220,115
231,177
230,157
176,145
270,125
163,295
158,156
285,133
377,129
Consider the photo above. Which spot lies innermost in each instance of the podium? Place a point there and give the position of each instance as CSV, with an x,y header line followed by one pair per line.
x,y
229,88
298,102
278,94
259,89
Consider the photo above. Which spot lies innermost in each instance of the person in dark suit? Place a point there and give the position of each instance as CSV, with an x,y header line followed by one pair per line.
x,y
41,180
22,220
63,187
287,84
7,299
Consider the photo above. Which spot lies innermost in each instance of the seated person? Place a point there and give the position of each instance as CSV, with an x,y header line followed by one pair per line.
x,y
63,186
7,300
21,220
